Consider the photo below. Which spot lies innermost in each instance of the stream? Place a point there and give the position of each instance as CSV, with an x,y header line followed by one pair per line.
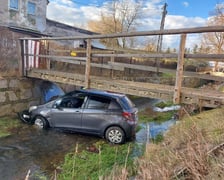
x,y
41,151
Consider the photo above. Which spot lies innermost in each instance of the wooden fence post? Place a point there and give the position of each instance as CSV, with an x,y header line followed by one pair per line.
x,y
21,58
179,72
88,61
112,61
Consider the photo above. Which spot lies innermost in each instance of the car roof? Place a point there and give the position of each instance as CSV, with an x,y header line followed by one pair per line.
x,y
100,93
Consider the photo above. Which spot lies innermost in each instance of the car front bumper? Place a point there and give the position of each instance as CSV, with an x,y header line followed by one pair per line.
x,y
25,116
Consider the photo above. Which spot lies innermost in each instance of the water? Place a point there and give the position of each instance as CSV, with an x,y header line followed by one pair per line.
x,y
35,150
41,152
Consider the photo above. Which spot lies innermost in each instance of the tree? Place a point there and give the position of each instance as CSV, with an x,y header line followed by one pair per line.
x,y
150,44
214,42
120,16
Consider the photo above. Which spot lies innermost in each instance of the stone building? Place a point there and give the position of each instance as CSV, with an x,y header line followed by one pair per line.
x,y
25,18
19,19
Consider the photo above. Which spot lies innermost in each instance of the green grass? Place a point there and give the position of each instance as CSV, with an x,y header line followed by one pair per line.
x,y
163,104
156,116
7,124
92,165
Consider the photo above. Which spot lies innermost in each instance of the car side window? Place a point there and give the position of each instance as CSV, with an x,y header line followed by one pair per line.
x,y
114,105
71,102
95,102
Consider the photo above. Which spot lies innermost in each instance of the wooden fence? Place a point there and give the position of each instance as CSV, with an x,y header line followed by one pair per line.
x,y
89,57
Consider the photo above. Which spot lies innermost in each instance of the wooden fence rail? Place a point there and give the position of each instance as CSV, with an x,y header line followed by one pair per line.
x,y
95,58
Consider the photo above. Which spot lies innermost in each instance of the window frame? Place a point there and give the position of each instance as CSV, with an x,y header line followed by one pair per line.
x,y
33,12
93,97
11,3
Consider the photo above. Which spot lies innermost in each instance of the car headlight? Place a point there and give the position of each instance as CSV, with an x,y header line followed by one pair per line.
x,y
32,108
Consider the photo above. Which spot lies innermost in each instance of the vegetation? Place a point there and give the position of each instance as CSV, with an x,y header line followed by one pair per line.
x,y
98,161
144,117
7,124
148,115
103,160
193,149
163,104
119,16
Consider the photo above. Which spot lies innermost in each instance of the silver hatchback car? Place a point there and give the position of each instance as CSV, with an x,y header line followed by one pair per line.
x,y
106,114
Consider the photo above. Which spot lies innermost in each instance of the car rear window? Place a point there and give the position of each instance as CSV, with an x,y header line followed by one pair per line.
x,y
126,103
96,102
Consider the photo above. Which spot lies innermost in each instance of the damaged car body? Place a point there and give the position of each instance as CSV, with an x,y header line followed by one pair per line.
x,y
105,114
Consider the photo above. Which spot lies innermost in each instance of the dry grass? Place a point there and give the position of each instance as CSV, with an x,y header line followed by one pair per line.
x,y
185,152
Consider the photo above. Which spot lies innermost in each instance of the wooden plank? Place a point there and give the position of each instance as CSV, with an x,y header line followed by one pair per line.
x,y
59,58
208,98
21,59
139,33
151,55
202,57
142,67
180,68
88,61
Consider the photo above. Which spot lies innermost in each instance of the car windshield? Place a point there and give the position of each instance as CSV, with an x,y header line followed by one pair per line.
x,y
126,103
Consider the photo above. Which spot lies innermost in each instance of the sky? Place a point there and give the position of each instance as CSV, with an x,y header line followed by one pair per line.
x,y
180,14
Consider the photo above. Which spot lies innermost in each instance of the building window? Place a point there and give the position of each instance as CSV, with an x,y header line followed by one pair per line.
x,y
14,4
31,8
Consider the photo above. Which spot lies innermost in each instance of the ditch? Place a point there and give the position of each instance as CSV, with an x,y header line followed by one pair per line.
x,y
41,152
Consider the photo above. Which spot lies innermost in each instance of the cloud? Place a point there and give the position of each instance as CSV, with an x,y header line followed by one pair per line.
x,y
63,13
175,22
68,12
185,4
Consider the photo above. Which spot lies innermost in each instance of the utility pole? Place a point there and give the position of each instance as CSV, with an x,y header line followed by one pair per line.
x,y
160,38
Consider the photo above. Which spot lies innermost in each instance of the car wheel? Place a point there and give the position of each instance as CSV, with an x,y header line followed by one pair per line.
x,y
115,135
40,122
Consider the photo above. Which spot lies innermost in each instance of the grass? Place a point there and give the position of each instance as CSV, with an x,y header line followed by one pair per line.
x,y
148,116
7,124
97,161
183,154
110,161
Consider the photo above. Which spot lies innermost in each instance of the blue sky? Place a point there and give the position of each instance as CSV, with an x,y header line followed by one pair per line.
x,y
78,12
191,8
181,13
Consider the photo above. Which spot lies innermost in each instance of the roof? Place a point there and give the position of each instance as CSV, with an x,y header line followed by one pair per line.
x,y
97,92
65,26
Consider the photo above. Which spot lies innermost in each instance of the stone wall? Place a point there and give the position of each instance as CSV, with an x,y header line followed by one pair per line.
x,y
18,94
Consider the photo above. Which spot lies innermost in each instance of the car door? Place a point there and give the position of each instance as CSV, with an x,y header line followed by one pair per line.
x,y
66,113
95,114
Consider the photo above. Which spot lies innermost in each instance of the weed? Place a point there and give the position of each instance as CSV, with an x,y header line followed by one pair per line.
x,y
156,116
163,104
183,154
159,138
96,163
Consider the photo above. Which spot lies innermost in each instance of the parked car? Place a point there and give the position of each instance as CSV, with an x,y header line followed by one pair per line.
x,y
106,114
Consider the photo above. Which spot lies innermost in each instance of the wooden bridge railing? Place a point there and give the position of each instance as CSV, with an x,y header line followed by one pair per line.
x,y
40,53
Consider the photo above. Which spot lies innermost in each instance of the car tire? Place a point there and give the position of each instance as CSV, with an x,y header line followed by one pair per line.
x,y
115,135
40,122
